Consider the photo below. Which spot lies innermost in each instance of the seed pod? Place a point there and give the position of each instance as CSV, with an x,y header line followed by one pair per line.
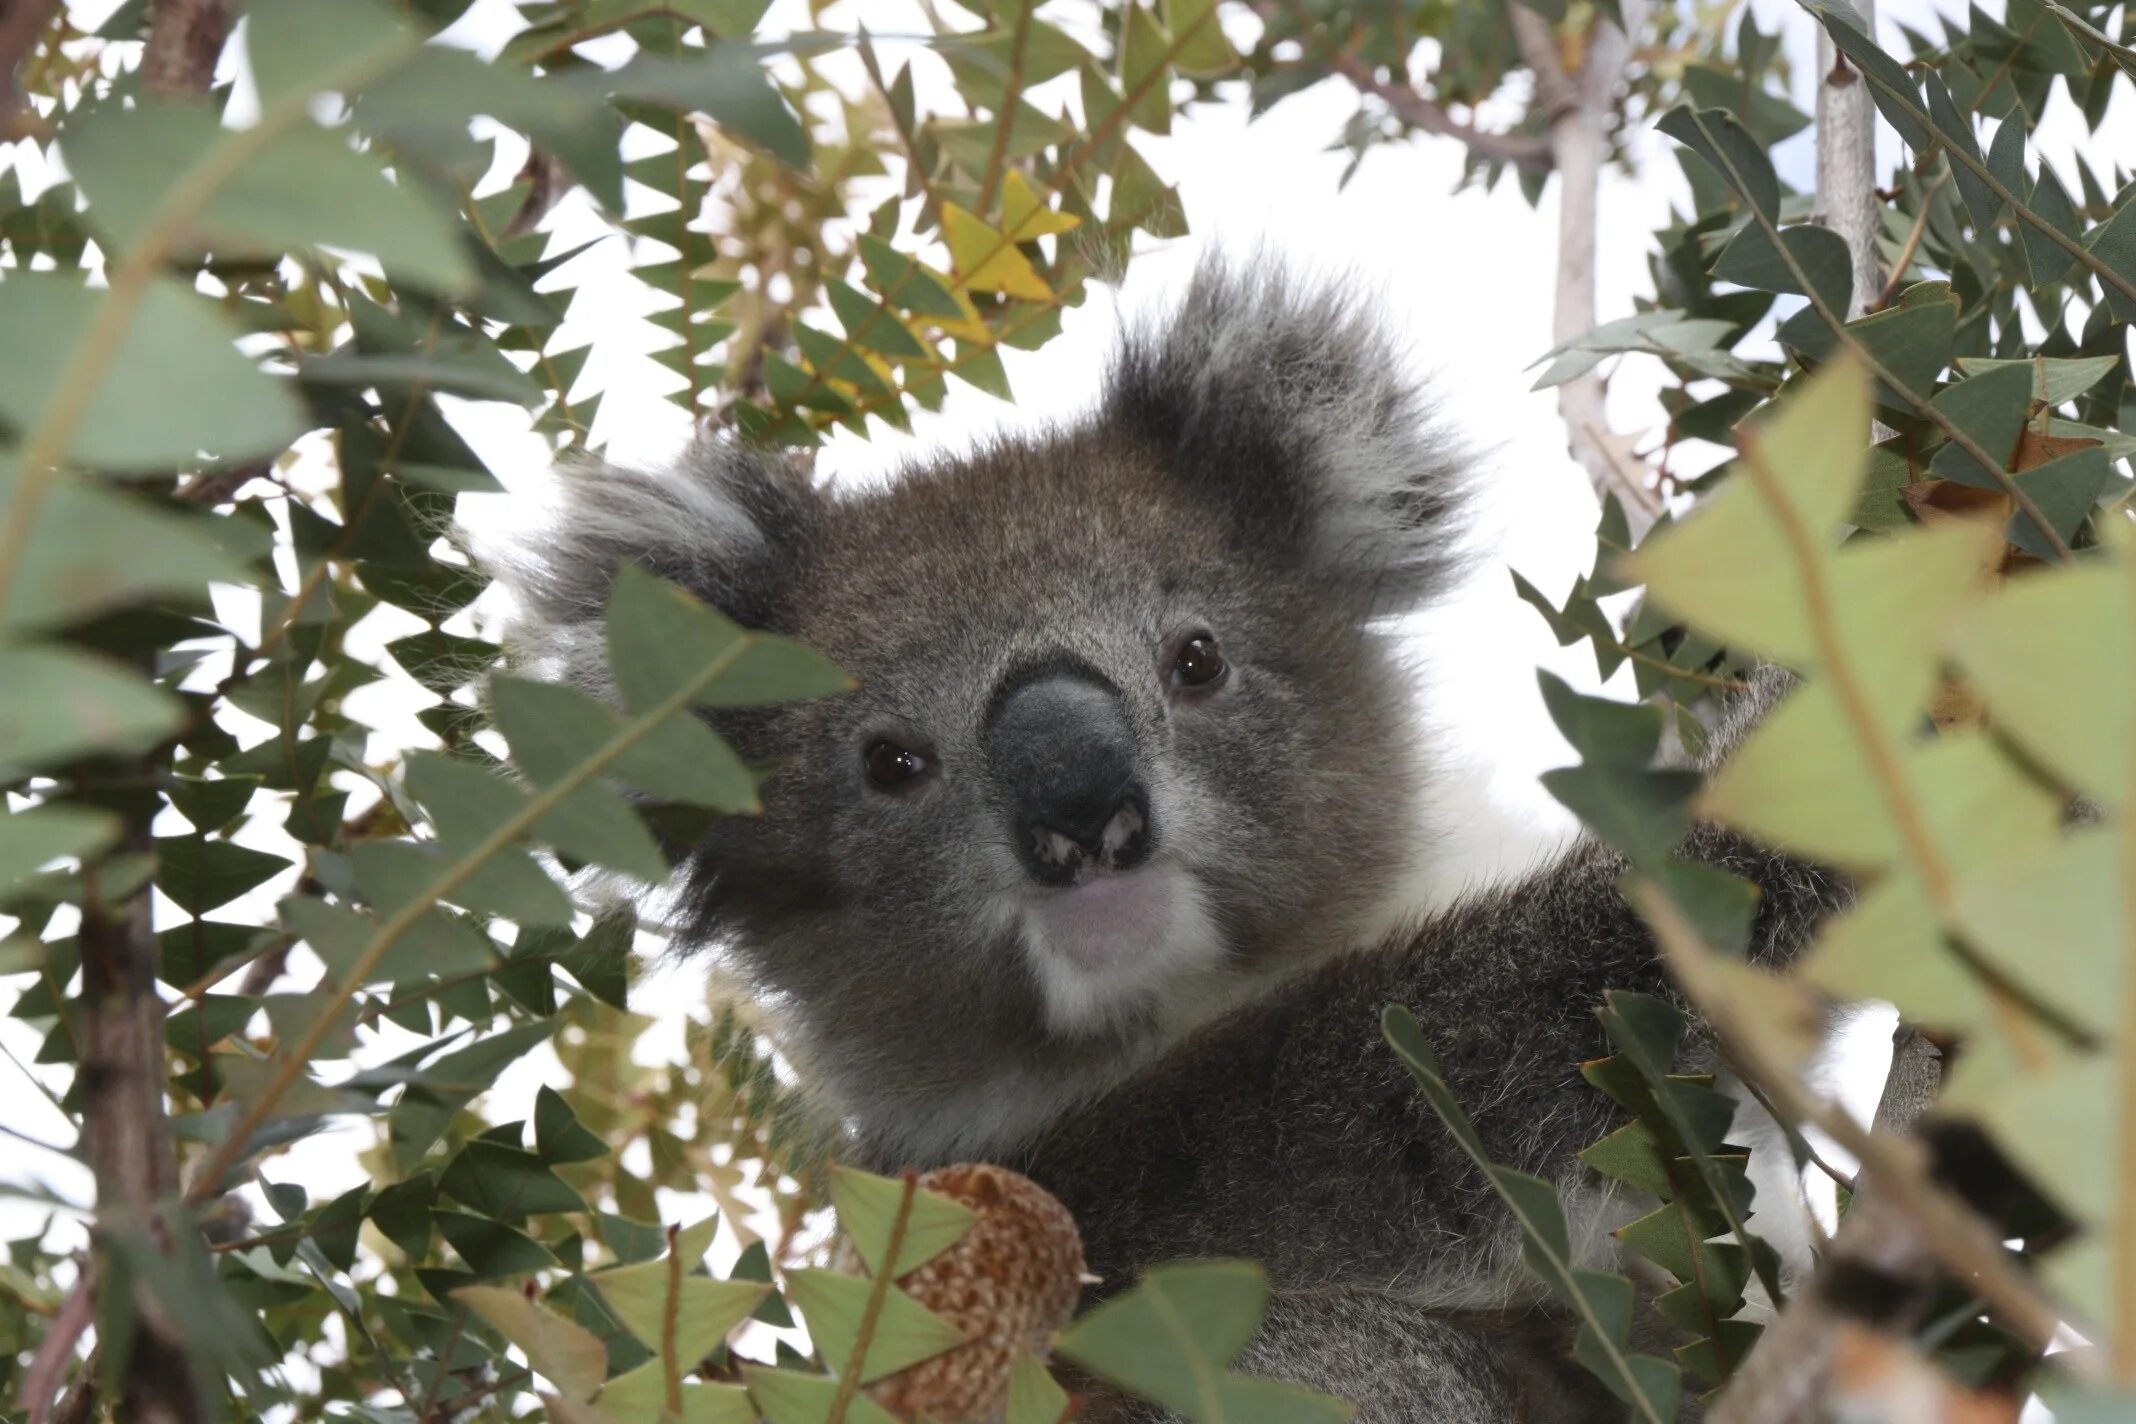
x,y
1009,1285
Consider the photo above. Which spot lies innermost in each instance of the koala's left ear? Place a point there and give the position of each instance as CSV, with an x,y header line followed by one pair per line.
x,y
732,524
1292,408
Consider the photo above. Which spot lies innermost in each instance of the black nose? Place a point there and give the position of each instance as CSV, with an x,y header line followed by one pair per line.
x,y
1060,744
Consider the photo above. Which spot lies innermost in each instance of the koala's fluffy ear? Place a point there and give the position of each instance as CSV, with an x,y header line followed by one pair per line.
x,y
1292,407
730,524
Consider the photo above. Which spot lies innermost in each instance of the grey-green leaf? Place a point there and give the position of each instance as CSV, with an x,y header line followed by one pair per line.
x,y
175,385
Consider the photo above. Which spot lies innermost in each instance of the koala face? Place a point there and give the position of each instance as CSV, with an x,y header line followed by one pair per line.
x,y
1125,740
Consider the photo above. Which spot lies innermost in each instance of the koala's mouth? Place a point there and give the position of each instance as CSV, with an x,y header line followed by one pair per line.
x,y
1114,942
1107,917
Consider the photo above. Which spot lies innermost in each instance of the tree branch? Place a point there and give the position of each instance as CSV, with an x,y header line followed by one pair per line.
x,y
1580,108
1408,104
185,38
126,1136
1419,112
21,22
1787,1378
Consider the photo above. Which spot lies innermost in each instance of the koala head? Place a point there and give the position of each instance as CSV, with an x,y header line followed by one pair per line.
x,y
1127,739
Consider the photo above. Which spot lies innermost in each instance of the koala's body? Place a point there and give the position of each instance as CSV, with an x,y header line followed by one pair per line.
x,y
1104,871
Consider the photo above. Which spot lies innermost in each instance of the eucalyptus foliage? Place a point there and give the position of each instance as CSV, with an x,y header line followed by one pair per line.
x,y
233,330
231,335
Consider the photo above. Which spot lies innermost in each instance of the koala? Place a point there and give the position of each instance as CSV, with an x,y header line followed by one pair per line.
x,y
1105,872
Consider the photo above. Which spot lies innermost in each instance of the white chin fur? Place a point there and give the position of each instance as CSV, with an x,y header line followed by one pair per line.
x,y
1112,945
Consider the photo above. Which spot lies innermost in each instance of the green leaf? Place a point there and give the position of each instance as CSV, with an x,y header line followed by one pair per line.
x,y
1991,408
1602,1303
1751,260
2113,244
1956,130
32,838
2054,919
506,1182
175,385
2055,379
1034,1397
304,188
2065,489
2048,260
468,804
298,46
1601,729
1891,89
435,943
491,1248
199,874
1741,161
94,551
1910,342
558,1134
729,85
905,1332
1755,565
57,704
553,728
904,283
1887,947
868,1207
451,1082
2050,653
659,639
1171,1339
1645,1031
1642,813
211,805
659,1303
643,1394
790,1397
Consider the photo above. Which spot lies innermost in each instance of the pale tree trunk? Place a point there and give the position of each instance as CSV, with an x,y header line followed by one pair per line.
x,y
1846,164
1580,106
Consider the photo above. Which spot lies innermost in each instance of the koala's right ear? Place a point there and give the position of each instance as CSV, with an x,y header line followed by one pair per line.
x,y
731,524
1290,404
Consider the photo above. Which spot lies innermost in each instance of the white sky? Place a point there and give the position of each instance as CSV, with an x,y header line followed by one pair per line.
x,y
1466,277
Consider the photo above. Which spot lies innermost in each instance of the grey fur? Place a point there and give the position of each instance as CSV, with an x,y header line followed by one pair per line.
x,y
1257,468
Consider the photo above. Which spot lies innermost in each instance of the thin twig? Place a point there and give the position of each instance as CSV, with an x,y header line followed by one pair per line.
x,y
40,1383
1911,245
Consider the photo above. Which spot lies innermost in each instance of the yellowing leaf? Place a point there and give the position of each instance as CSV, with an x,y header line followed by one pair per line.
x,y
986,260
1024,214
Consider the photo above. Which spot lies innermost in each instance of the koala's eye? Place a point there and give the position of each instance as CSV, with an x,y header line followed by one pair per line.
x,y
891,767
1199,662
